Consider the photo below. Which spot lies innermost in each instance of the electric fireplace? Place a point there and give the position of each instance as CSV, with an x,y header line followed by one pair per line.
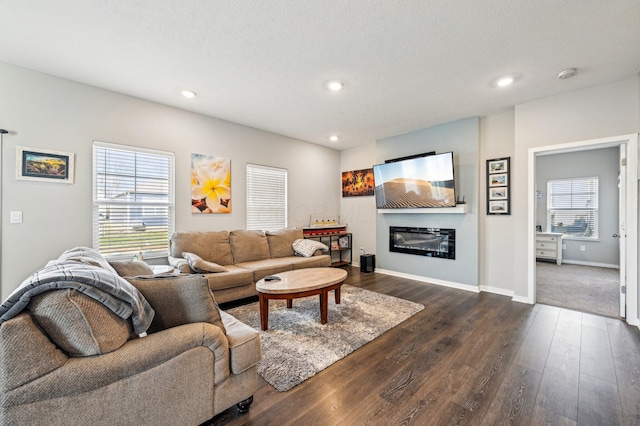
x,y
432,242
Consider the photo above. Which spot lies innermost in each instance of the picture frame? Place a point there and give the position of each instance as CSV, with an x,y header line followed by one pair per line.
x,y
40,165
358,183
499,186
498,166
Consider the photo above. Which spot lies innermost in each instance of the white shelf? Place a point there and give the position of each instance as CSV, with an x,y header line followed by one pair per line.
x,y
459,209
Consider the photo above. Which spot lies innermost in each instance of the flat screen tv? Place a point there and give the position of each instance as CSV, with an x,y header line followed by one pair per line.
x,y
421,182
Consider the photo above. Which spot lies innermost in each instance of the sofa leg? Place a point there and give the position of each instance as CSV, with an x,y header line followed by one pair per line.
x,y
243,406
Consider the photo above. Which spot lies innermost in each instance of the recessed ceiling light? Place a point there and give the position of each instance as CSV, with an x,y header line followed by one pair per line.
x,y
333,138
335,85
505,81
189,94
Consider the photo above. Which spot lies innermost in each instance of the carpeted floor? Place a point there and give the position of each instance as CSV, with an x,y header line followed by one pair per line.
x,y
581,288
296,346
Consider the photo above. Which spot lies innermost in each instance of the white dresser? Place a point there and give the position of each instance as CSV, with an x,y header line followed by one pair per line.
x,y
549,246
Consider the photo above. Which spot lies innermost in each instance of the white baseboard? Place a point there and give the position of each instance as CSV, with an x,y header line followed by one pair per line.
x,y
428,280
522,299
600,265
496,290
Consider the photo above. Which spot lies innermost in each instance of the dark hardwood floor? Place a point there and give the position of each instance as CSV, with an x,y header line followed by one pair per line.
x,y
468,358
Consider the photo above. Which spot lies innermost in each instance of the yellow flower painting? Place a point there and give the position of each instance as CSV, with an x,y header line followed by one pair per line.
x,y
210,184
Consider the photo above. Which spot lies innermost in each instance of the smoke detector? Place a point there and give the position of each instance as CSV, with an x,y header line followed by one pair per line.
x,y
568,73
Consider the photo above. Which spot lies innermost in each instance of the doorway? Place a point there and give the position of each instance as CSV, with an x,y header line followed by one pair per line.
x,y
628,227
577,199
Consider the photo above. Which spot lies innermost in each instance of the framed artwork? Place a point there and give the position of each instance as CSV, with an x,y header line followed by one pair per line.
x,y
357,183
498,186
210,184
44,165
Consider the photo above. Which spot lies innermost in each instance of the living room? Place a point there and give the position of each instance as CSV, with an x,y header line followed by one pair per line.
x,y
50,112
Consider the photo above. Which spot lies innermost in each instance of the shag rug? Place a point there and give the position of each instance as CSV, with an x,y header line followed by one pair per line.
x,y
296,346
588,289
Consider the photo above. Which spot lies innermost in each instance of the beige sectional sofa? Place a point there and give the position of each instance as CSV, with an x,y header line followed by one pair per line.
x,y
67,359
246,256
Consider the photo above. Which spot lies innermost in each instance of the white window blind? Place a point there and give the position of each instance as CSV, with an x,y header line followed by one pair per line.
x,y
572,207
133,201
266,198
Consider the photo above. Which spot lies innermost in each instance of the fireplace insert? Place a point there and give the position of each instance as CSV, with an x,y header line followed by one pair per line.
x,y
432,242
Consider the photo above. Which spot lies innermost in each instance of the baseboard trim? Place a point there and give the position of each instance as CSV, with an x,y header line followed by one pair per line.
x,y
496,290
428,280
599,265
522,299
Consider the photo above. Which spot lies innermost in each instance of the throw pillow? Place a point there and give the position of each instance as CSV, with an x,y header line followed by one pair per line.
x,y
178,300
131,268
307,248
78,324
198,264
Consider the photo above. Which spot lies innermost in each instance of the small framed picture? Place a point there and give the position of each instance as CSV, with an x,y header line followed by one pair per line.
x,y
498,166
498,180
44,165
499,207
499,193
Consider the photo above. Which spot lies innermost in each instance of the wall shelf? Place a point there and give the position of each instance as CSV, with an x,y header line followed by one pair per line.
x,y
459,209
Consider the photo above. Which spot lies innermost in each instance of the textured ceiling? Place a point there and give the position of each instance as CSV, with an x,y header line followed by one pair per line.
x,y
407,64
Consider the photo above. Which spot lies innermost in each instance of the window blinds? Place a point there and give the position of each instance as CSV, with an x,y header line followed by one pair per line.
x,y
572,207
133,201
266,198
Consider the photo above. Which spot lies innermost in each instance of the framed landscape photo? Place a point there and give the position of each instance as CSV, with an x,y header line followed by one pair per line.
x,y
498,186
44,165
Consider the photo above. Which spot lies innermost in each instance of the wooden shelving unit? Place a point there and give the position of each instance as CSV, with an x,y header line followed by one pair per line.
x,y
335,237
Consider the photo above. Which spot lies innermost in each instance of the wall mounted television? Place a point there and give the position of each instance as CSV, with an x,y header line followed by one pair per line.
x,y
421,182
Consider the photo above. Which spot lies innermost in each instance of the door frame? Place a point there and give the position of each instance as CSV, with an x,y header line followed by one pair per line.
x,y
631,212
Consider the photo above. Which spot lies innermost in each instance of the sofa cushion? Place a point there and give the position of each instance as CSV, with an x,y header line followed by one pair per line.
x,y
78,324
323,260
248,246
234,277
244,344
198,264
281,242
262,268
178,300
307,248
131,268
211,246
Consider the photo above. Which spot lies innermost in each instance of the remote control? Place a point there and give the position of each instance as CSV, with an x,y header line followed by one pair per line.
x,y
271,278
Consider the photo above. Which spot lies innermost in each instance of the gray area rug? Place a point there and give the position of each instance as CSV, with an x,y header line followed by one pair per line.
x,y
296,346
582,288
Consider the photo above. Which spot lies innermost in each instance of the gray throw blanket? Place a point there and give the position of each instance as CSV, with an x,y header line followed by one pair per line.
x,y
101,284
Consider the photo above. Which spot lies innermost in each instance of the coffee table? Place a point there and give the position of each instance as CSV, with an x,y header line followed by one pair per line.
x,y
301,283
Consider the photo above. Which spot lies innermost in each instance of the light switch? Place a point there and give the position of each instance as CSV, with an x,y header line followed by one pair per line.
x,y
15,217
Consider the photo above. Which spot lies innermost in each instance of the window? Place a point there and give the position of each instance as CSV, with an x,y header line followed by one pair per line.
x,y
572,207
133,201
266,198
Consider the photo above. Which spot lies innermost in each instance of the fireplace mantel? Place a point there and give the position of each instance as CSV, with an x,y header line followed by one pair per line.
x,y
459,209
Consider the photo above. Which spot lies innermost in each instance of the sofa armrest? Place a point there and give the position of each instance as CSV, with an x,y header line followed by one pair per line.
x,y
181,264
84,374
25,353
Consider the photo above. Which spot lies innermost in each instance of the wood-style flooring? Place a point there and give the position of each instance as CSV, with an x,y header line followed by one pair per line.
x,y
467,358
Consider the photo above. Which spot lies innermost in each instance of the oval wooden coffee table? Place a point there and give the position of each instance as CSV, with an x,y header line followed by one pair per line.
x,y
300,283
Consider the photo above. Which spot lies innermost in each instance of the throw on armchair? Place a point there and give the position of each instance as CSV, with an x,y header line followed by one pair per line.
x,y
68,359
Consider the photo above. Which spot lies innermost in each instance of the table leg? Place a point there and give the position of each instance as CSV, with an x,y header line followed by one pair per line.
x,y
264,312
337,295
289,303
324,303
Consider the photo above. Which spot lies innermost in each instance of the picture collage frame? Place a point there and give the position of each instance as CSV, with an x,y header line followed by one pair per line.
x,y
499,186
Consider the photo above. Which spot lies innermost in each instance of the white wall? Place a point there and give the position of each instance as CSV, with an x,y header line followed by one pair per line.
x,y
496,232
42,111
359,212
597,112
